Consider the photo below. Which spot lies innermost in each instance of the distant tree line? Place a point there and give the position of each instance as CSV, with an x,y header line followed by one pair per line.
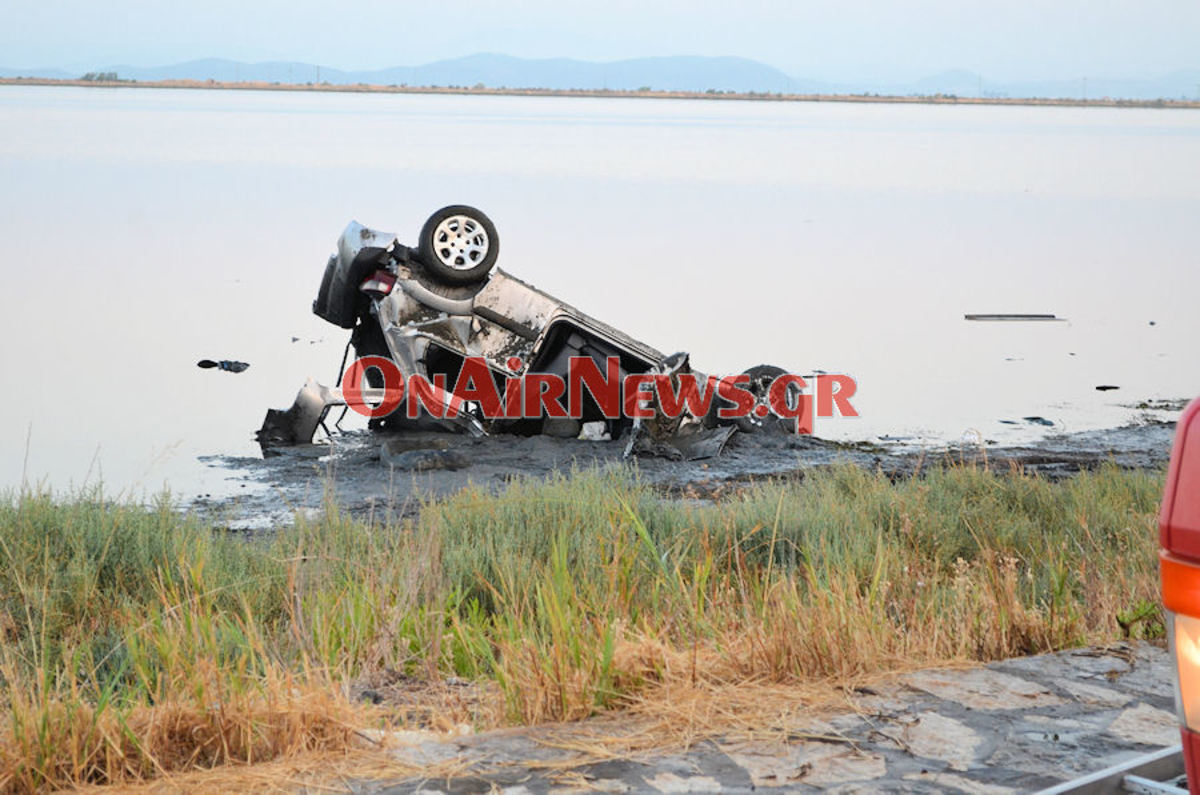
x,y
101,77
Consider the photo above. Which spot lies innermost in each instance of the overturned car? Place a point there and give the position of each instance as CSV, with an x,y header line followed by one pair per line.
x,y
441,314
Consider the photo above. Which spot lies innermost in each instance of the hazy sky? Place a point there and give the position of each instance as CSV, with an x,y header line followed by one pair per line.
x,y
823,39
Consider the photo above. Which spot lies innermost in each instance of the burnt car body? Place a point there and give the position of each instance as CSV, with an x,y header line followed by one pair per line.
x,y
430,307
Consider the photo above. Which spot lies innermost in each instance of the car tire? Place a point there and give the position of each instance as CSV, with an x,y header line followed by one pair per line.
x,y
458,245
761,378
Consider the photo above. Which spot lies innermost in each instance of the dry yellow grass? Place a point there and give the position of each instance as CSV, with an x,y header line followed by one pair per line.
x,y
141,646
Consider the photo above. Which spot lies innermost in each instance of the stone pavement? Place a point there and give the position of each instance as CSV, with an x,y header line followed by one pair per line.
x,y
1013,726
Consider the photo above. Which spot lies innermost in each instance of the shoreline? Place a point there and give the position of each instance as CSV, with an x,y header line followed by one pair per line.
x,y
753,96
356,468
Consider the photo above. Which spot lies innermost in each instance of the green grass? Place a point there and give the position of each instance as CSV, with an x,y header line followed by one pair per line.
x,y
563,598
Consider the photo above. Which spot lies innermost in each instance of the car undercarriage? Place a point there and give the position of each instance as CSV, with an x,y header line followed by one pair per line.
x,y
439,310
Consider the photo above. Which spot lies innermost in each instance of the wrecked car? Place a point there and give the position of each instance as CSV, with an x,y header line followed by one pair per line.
x,y
437,308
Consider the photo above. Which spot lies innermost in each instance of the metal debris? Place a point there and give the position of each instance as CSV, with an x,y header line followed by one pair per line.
x,y
227,365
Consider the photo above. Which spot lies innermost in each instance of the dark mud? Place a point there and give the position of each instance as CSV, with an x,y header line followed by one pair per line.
x,y
369,478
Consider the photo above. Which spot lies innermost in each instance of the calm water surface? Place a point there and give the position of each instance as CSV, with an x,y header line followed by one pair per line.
x,y
142,230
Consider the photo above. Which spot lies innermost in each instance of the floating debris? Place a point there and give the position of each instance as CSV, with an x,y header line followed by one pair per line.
x,y
225,364
1002,317
1038,421
1106,388
1159,404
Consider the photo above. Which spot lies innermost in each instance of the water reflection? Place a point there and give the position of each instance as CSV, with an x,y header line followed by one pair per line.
x,y
144,230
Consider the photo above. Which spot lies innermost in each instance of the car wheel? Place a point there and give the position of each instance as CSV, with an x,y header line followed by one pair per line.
x,y
458,245
761,378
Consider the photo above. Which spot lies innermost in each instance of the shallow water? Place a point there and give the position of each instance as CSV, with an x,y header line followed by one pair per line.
x,y
143,230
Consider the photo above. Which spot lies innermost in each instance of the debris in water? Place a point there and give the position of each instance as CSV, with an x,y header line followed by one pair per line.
x,y
1000,317
1106,388
225,364
1038,421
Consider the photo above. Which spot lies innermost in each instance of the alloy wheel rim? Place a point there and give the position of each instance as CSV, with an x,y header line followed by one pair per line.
x,y
460,242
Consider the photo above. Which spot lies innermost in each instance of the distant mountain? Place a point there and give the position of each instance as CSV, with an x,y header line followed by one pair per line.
x,y
668,73
677,73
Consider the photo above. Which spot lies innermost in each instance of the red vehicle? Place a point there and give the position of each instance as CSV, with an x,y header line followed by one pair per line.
x,y
1179,536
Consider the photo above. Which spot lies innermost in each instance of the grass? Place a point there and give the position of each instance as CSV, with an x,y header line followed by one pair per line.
x,y
136,642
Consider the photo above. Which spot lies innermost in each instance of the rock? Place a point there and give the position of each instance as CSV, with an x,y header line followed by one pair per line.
x,y
893,702
669,782
934,736
982,688
844,767
1057,724
951,782
815,764
600,785
1093,694
1105,662
1146,725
